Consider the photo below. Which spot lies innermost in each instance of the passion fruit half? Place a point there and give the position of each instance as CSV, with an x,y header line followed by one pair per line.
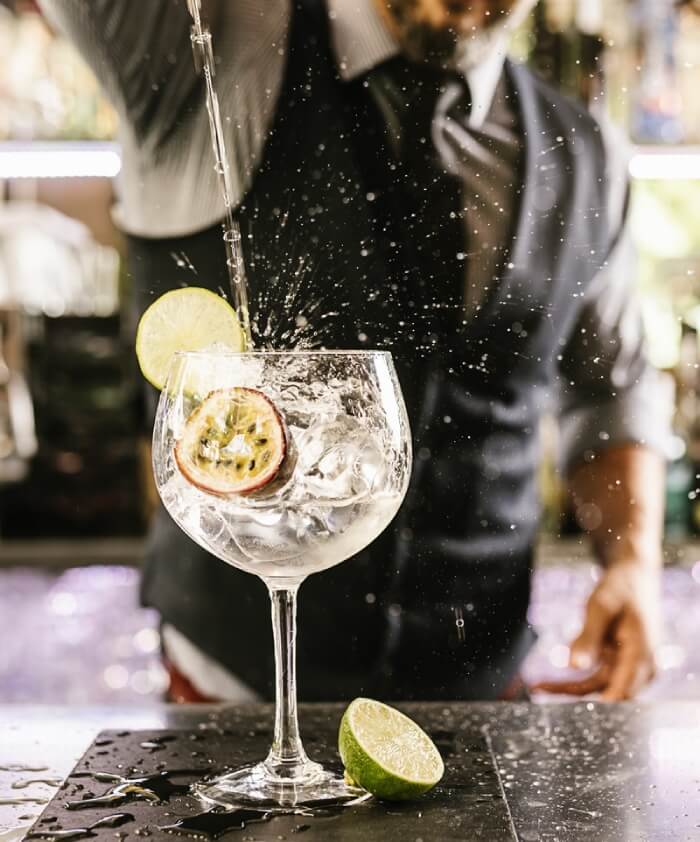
x,y
235,442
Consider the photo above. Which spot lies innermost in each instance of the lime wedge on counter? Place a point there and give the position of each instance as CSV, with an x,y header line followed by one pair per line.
x,y
187,319
386,753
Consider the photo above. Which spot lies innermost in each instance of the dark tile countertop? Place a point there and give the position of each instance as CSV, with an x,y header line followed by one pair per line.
x,y
585,771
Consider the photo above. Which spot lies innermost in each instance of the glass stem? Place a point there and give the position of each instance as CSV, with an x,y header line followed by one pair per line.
x,y
287,756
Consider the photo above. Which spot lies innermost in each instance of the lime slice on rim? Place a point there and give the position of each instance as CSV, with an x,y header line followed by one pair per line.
x,y
187,319
386,753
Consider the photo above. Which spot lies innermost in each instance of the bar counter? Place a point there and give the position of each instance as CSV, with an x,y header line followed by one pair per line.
x,y
580,771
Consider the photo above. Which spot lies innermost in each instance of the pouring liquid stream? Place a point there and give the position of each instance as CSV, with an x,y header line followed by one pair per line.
x,y
204,61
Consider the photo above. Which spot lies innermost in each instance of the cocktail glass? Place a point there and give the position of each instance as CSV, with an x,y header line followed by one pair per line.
x,y
345,477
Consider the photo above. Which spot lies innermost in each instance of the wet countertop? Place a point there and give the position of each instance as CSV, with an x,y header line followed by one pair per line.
x,y
584,771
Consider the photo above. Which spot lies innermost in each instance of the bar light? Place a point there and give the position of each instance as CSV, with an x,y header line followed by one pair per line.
x,y
59,159
92,159
666,164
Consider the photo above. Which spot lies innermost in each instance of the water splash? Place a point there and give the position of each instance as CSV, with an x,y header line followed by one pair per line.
x,y
288,312
182,261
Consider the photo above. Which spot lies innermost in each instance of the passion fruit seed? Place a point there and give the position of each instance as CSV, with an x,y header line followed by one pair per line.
x,y
234,442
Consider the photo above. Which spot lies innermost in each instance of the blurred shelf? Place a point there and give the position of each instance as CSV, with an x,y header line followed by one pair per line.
x,y
552,552
62,553
59,159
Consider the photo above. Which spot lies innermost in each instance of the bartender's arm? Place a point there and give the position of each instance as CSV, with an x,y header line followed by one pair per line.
x,y
140,51
615,422
618,497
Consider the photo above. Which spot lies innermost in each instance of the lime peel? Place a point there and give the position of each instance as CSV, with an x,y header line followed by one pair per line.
x,y
387,753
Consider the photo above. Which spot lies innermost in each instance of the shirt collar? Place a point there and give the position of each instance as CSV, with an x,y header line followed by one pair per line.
x,y
361,41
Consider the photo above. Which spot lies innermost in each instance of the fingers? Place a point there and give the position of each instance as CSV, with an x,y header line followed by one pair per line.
x,y
626,669
633,665
627,665
584,653
623,675
586,649
576,687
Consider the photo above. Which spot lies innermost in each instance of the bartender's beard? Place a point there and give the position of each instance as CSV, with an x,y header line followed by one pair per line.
x,y
451,32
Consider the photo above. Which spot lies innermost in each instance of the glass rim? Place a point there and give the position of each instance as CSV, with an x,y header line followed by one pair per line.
x,y
264,353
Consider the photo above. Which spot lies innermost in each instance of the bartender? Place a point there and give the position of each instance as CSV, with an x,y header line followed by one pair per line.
x,y
458,211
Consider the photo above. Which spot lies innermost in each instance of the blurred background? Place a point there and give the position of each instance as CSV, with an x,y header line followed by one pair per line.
x,y
74,473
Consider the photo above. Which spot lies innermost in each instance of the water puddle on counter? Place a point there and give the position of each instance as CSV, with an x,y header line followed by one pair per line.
x,y
52,782
22,799
21,767
75,833
157,788
216,822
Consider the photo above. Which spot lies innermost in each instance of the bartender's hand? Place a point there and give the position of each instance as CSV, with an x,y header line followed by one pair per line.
x,y
619,637
618,498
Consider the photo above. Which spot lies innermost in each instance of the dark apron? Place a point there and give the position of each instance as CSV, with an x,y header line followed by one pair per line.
x,y
437,606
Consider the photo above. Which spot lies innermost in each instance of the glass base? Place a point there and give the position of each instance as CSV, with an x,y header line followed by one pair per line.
x,y
259,788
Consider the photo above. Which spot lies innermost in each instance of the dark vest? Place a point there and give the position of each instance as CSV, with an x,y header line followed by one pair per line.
x,y
436,607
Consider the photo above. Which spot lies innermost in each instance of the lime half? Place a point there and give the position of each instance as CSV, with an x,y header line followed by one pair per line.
x,y
386,753
187,319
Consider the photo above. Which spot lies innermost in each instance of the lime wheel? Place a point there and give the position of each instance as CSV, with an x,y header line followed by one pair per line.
x,y
187,319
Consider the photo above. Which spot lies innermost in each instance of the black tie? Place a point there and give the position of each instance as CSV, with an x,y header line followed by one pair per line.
x,y
422,105
421,108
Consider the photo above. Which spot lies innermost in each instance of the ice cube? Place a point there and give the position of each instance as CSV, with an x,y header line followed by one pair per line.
x,y
211,524
339,461
265,536
340,518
